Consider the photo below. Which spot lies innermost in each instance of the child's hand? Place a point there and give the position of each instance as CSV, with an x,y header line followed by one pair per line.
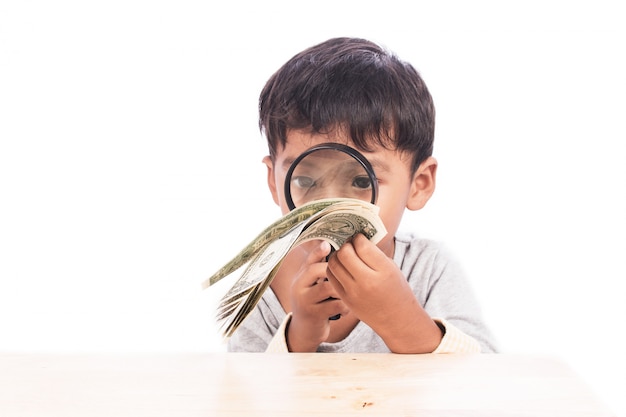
x,y
375,290
313,301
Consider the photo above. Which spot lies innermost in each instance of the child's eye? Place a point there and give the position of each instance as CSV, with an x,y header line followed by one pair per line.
x,y
363,183
303,182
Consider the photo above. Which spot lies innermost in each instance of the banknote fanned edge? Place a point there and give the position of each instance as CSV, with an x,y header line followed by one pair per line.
x,y
270,233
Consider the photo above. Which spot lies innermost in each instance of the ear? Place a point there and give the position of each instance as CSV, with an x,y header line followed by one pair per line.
x,y
271,178
422,184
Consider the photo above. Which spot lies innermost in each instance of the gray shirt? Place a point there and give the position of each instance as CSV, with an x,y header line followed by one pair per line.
x,y
437,280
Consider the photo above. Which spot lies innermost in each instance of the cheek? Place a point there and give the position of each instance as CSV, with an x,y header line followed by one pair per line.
x,y
283,208
392,202
279,179
391,217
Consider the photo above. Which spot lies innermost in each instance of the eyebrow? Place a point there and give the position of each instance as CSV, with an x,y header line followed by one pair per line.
x,y
287,163
378,165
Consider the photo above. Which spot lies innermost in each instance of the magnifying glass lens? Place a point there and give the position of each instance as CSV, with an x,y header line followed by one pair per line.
x,y
330,172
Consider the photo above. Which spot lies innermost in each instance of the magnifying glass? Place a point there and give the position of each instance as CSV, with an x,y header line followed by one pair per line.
x,y
330,170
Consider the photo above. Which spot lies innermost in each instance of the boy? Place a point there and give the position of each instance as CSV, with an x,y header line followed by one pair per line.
x,y
403,295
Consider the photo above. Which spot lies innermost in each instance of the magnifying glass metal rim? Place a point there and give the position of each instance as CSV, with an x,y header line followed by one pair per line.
x,y
358,156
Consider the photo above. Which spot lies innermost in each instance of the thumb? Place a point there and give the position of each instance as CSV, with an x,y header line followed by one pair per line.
x,y
319,252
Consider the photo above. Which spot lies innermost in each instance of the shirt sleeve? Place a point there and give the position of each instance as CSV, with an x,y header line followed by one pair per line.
x,y
454,340
278,344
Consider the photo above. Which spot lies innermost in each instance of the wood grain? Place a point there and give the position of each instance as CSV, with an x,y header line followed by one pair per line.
x,y
248,384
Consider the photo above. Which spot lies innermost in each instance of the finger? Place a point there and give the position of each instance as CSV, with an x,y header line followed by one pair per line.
x,y
313,268
334,308
345,264
337,284
323,291
362,256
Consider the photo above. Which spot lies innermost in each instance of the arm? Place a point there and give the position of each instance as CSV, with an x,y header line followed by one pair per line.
x,y
400,304
376,291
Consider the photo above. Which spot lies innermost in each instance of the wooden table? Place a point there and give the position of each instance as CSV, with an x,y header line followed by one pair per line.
x,y
248,384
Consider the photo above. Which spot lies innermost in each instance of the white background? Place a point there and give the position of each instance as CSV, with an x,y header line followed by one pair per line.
x,y
130,164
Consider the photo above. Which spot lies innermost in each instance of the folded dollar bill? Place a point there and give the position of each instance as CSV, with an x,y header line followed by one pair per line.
x,y
333,220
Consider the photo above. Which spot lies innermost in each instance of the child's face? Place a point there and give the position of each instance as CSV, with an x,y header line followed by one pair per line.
x,y
397,188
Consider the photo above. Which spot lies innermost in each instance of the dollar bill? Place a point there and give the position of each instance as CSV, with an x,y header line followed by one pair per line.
x,y
332,220
268,235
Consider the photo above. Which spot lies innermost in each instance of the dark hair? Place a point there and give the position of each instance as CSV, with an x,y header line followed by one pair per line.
x,y
352,84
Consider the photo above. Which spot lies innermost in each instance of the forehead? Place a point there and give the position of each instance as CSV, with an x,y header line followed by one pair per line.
x,y
298,141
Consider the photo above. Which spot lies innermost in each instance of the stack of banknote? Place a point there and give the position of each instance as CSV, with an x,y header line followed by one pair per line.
x,y
334,220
